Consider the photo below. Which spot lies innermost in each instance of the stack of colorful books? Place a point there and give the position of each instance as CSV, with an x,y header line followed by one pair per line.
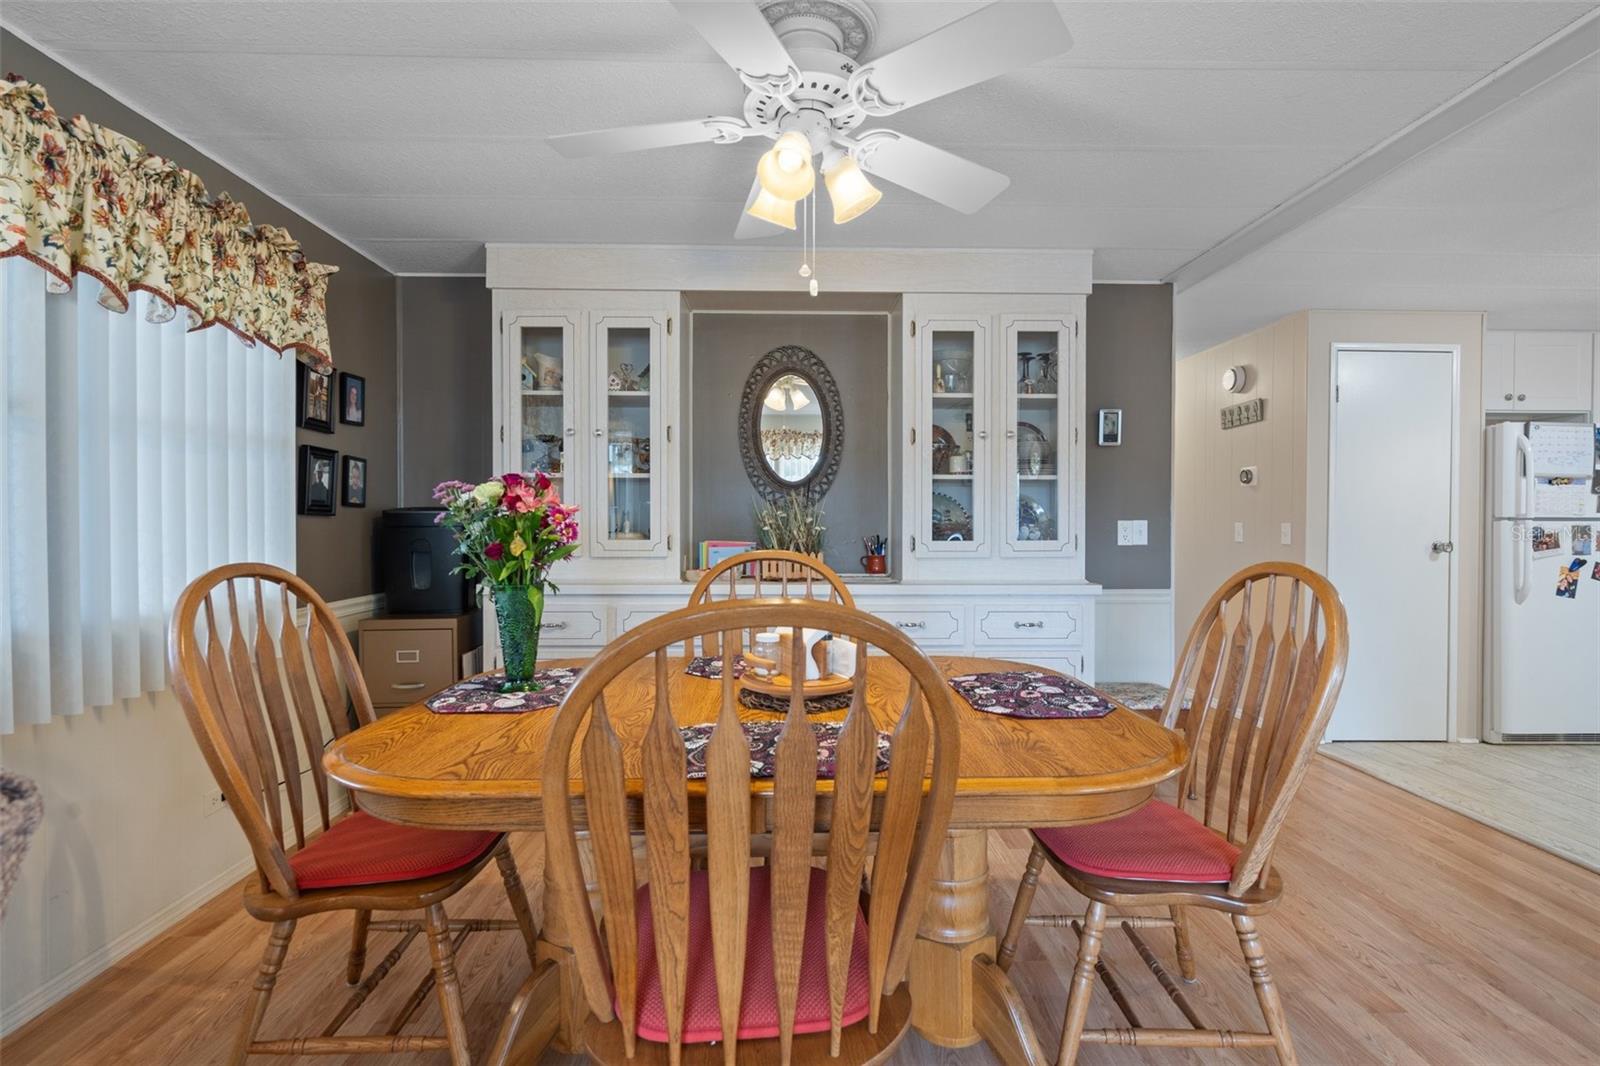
x,y
713,552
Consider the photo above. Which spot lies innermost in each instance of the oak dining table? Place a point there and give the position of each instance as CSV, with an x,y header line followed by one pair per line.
x,y
481,771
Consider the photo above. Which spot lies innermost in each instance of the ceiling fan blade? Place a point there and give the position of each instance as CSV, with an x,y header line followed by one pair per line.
x,y
991,41
749,225
719,130
939,175
740,34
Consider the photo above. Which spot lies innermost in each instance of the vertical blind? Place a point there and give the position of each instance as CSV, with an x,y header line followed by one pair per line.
x,y
134,456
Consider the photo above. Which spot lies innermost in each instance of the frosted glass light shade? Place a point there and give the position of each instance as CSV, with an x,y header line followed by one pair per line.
x,y
852,194
769,208
785,171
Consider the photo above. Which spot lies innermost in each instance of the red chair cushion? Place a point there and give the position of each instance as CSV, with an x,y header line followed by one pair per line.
x,y
363,850
758,1005
1157,842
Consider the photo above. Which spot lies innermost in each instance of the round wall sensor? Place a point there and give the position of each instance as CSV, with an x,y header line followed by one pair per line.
x,y
1233,379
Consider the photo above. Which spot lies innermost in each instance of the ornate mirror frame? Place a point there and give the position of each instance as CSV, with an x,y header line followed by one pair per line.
x,y
790,359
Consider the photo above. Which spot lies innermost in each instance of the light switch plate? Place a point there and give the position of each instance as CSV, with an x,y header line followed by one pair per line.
x,y
1238,532
1133,532
1285,536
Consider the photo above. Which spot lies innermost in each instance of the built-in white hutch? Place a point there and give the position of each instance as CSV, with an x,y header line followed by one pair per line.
x,y
591,368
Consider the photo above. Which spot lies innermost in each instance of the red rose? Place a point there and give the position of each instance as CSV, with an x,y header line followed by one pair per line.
x,y
495,550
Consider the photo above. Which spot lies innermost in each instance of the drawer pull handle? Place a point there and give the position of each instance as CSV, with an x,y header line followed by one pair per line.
x,y
1027,625
912,625
409,686
411,655
552,625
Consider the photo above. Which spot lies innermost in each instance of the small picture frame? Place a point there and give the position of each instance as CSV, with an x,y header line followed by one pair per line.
x,y
352,399
318,469
313,399
1110,427
354,482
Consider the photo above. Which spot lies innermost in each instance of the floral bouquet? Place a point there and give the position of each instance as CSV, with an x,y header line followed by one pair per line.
x,y
510,530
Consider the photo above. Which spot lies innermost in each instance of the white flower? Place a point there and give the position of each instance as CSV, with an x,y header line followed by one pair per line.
x,y
489,492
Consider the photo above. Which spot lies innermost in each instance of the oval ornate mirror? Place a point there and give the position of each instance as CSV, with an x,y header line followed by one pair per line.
x,y
791,424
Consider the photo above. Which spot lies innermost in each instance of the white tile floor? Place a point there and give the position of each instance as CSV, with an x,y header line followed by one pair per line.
x,y
1548,795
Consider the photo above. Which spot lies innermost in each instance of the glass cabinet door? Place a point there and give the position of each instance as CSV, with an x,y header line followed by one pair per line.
x,y
628,376
545,391
1037,464
953,361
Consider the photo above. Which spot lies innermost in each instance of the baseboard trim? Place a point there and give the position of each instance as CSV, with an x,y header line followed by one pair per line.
x,y
349,612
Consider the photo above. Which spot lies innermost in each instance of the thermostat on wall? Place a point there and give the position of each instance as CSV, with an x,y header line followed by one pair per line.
x,y
1234,379
1247,475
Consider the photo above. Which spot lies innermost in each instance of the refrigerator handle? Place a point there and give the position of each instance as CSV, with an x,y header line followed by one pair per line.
x,y
1521,547
1525,482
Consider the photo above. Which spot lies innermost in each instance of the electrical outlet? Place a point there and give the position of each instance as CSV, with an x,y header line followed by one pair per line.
x,y
1238,532
213,802
1132,532
1284,535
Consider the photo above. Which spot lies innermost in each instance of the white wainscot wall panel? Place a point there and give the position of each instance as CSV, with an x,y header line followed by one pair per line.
x,y
1134,635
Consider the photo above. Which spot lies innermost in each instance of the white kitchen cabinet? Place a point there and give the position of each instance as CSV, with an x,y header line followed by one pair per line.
x,y
584,386
994,399
1538,371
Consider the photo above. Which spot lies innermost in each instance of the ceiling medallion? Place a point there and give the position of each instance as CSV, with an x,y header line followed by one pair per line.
x,y
850,23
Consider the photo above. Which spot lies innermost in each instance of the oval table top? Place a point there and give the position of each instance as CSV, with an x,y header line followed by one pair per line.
x,y
482,770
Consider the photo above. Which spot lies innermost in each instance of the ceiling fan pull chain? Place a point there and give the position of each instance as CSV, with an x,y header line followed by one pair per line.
x,y
811,220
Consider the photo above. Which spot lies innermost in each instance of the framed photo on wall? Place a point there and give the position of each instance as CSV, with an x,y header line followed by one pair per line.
x,y
318,467
1110,427
313,399
352,399
355,482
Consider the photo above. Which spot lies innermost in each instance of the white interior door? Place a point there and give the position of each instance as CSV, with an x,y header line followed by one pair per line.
x,y
1390,500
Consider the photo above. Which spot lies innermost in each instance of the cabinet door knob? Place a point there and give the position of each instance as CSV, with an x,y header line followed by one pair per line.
x,y
599,432
983,434
1508,396
571,431
1011,434
1521,396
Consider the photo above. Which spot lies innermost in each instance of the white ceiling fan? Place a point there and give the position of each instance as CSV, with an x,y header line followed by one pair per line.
x,y
810,91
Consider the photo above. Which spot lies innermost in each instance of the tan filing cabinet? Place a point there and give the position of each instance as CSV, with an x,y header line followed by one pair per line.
x,y
409,659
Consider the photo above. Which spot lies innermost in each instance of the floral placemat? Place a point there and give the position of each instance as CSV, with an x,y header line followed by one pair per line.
x,y
763,738
1031,694
482,695
711,666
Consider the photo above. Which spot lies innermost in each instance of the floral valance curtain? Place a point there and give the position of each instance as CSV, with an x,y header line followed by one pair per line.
x,y
80,198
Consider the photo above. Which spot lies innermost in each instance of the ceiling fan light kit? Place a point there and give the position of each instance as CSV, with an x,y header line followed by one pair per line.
x,y
852,194
809,88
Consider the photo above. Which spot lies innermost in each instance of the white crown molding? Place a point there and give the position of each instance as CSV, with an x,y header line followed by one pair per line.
x,y
1554,55
198,146
665,267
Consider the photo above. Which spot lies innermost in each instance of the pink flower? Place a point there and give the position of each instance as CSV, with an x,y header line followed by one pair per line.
x,y
520,498
541,479
513,479
494,550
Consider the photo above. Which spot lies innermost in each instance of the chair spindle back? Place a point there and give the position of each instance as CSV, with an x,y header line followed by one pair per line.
x,y
250,681
911,826
1259,673
797,576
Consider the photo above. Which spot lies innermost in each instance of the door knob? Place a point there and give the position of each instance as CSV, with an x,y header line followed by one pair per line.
x,y
1508,396
1440,547
1521,396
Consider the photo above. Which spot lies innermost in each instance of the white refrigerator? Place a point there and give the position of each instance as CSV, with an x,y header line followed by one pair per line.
x,y
1542,601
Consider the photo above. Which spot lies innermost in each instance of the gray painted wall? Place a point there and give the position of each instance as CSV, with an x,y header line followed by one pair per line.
x,y
335,553
855,348
446,360
1128,348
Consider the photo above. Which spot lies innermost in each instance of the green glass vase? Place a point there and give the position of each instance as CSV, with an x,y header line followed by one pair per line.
x,y
519,609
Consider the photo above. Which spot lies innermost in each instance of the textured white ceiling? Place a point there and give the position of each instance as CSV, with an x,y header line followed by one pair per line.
x,y
1504,218
416,130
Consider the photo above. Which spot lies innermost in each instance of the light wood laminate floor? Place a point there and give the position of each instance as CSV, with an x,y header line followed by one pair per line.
x,y
1546,794
1409,934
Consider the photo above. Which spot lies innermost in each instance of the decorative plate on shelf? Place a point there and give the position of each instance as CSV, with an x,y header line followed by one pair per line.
x,y
1033,520
950,519
1031,441
944,446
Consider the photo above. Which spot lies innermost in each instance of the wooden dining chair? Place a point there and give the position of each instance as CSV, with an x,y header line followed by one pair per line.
x,y
1253,693
795,575
250,681
733,953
